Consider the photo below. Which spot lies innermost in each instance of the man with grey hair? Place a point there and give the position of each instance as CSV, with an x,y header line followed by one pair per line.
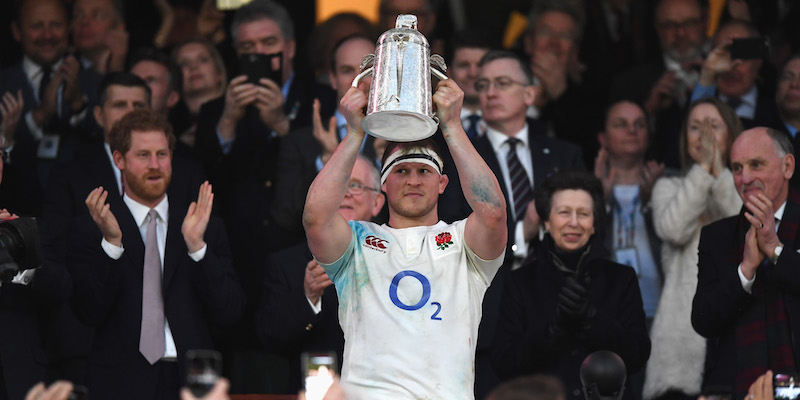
x,y
735,81
298,310
238,141
746,302
664,86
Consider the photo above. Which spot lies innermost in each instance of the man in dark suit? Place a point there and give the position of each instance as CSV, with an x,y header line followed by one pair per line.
x,y
64,199
664,86
152,282
746,303
506,91
239,134
238,142
305,151
735,81
56,94
298,308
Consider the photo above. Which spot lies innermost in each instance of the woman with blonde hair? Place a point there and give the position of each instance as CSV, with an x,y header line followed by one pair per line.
x,y
204,79
682,205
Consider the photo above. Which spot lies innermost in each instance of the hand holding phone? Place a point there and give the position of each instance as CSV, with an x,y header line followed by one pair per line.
x,y
203,369
318,370
257,66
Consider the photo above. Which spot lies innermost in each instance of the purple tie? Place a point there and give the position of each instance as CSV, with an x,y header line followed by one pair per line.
x,y
520,184
151,339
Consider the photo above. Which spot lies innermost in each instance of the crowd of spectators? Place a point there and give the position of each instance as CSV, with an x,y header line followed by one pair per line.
x,y
646,97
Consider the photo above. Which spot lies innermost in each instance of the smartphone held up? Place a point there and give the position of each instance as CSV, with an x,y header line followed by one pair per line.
x,y
318,372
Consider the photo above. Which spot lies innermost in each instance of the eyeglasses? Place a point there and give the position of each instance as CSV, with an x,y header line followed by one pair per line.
x,y
503,84
674,25
357,188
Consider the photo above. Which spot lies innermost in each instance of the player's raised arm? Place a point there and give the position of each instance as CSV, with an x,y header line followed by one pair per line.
x,y
486,232
327,232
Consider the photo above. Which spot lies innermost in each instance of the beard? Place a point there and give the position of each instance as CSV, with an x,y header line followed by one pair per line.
x,y
145,190
410,209
692,53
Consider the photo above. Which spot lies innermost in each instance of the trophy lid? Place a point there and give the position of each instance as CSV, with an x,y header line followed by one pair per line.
x,y
406,21
405,30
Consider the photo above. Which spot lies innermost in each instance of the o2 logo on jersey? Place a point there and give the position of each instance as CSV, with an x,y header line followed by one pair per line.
x,y
376,243
426,293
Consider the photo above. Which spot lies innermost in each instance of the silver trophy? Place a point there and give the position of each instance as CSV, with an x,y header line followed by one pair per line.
x,y
400,107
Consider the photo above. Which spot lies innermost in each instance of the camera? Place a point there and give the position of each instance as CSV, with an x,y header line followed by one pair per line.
x,y
19,247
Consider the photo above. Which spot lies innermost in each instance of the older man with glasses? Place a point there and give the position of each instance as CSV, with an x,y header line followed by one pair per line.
x,y
521,156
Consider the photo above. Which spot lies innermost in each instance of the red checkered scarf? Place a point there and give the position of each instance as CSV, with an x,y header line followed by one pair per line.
x,y
763,335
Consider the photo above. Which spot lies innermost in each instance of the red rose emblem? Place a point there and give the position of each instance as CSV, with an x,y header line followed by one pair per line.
x,y
443,240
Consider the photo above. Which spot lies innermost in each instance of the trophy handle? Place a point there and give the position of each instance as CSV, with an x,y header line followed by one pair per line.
x,y
438,67
435,72
362,75
366,68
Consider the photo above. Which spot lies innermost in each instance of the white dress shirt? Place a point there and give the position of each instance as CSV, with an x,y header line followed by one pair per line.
x,y
140,216
498,141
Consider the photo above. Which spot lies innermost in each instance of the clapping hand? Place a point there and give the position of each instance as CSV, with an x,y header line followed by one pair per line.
x,y
196,221
573,310
103,217
604,172
11,111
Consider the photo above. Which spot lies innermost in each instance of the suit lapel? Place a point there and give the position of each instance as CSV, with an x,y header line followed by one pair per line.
x,y
131,238
540,158
99,166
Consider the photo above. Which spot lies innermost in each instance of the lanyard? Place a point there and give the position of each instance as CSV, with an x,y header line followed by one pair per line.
x,y
625,222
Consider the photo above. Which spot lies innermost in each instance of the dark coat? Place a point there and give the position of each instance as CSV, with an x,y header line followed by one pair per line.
x,y
548,155
523,344
720,300
198,296
285,322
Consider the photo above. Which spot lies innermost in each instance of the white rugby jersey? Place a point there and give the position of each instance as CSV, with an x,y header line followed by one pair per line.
x,y
409,305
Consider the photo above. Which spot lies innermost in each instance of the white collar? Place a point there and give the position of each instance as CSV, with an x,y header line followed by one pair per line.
x,y
498,139
779,211
33,70
140,211
465,112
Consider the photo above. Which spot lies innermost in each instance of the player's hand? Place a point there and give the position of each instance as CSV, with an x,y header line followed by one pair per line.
x,y
352,107
448,99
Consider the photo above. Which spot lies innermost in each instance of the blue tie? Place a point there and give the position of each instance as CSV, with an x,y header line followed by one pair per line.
x,y
472,132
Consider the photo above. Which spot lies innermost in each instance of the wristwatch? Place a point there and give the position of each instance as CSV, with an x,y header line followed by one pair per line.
x,y
776,253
